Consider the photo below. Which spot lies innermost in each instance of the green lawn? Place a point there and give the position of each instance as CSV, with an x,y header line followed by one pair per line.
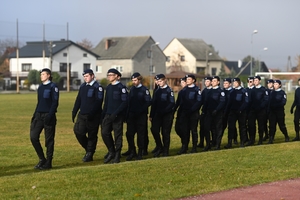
x,y
151,178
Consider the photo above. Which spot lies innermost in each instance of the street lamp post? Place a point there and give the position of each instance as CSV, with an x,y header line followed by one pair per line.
x,y
254,32
50,47
206,61
151,67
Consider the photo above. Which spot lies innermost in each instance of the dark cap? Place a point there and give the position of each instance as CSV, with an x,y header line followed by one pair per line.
x,y
208,78
191,76
135,75
227,79
277,81
216,77
46,70
183,79
257,77
236,79
250,78
87,71
112,70
159,76
270,81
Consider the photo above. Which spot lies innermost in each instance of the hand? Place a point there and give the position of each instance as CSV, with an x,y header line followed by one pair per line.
x,y
32,118
48,120
292,110
214,113
73,117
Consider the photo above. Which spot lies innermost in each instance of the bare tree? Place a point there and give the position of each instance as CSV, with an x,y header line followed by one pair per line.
x,y
86,44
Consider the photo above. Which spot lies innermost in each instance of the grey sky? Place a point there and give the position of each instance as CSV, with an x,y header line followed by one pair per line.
x,y
226,24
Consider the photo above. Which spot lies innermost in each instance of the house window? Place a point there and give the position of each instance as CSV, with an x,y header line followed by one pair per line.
x,y
86,66
63,67
182,58
85,55
65,54
168,58
213,71
152,69
118,67
26,67
99,69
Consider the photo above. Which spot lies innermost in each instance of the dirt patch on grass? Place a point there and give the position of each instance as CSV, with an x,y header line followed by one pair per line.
x,y
279,190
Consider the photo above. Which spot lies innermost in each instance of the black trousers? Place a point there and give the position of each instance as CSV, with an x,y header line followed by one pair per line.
x,y
137,124
113,144
214,124
277,117
260,117
240,117
162,123
36,127
296,119
189,126
86,132
202,130
178,128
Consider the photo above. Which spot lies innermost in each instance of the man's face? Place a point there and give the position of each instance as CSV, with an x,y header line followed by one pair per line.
x,y
189,81
236,84
88,78
135,82
256,81
250,83
111,77
183,84
276,86
215,82
207,83
270,85
226,84
44,77
161,82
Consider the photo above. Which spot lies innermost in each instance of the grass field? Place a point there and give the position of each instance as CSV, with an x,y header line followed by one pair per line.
x,y
151,178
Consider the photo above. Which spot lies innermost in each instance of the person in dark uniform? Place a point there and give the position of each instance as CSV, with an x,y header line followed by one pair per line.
x,y
296,103
137,120
156,87
89,101
44,117
249,88
270,87
227,88
161,115
114,112
207,83
237,107
258,111
178,108
214,106
277,101
190,103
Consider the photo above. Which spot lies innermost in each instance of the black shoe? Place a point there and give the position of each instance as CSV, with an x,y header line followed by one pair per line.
x,y
296,139
139,157
235,142
183,150
88,157
218,147
228,146
40,164
287,138
47,165
249,143
155,150
106,155
266,138
157,153
194,150
200,145
117,158
145,152
109,157
131,156
242,145
127,153
207,148
260,142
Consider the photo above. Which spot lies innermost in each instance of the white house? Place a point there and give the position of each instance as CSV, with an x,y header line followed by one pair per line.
x,y
54,55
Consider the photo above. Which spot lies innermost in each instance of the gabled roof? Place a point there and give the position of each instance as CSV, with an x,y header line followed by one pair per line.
x,y
35,49
198,48
233,65
120,47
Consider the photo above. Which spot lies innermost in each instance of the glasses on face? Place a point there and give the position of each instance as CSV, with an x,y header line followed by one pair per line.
x,y
110,74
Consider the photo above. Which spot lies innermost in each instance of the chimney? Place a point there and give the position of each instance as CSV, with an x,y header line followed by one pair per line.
x,y
107,44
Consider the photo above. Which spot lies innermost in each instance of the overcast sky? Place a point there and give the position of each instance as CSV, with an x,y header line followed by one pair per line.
x,y
226,24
